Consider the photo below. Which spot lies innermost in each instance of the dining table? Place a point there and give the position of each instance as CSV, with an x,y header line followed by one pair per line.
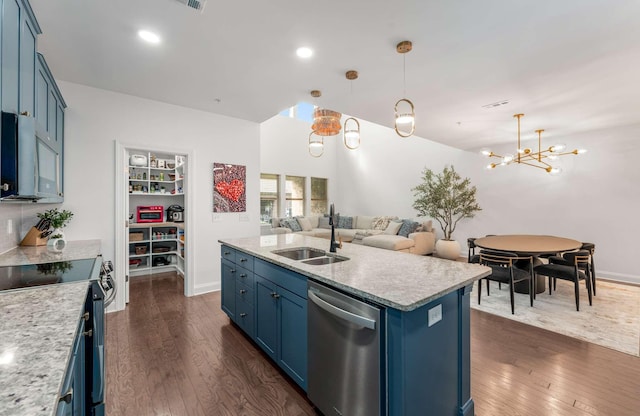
x,y
528,245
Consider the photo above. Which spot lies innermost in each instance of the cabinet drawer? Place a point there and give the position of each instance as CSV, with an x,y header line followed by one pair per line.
x,y
287,279
244,260
244,316
228,253
244,276
244,293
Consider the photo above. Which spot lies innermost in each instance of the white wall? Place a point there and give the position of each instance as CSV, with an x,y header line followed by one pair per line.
x,y
284,150
596,199
96,119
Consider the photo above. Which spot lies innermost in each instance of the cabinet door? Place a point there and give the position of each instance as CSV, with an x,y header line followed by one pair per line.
x,y
266,316
60,136
229,289
28,36
10,55
292,355
52,116
42,97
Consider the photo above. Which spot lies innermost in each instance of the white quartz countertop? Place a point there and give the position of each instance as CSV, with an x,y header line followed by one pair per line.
x,y
399,280
74,250
37,329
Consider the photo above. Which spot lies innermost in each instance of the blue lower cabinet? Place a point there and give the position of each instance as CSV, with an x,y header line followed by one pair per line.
x,y
266,316
292,354
244,316
72,395
229,289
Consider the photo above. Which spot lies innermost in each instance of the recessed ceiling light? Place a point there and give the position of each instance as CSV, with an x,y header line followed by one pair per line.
x,y
304,52
149,36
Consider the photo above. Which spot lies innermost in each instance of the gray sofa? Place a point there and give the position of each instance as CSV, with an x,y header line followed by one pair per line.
x,y
391,233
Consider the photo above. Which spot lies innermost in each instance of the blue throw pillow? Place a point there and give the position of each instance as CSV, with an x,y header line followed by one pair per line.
x,y
408,227
345,222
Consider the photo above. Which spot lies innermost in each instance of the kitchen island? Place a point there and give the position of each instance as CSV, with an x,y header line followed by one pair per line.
x,y
425,304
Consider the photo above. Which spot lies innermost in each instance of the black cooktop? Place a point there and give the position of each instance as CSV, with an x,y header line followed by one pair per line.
x,y
18,277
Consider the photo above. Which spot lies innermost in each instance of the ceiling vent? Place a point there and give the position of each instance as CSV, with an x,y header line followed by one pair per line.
x,y
194,4
496,104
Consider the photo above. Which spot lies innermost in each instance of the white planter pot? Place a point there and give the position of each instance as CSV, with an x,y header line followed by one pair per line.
x,y
448,249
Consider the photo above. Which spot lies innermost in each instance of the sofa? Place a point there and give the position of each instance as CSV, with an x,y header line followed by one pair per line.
x,y
391,233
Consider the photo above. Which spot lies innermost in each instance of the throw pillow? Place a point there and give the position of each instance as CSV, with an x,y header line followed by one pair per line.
x,y
392,228
323,222
380,223
345,222
408,227
305,223
291,223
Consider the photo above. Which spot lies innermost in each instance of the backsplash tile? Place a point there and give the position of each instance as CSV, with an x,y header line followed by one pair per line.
x,y
10,238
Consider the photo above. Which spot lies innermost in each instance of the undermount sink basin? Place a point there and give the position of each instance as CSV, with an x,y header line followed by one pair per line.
x,y
300,253
328,259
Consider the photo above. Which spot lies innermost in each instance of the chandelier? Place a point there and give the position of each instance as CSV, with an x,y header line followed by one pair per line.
x,y
541,159
405,116
325,123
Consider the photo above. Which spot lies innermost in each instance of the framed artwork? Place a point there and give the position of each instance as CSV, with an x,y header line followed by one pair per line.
x,y
229,193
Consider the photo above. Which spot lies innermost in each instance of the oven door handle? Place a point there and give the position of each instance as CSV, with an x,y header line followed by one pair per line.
x,y
341,313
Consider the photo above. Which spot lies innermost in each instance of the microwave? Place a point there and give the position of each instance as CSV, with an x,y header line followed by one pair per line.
x,y
150,213
30,168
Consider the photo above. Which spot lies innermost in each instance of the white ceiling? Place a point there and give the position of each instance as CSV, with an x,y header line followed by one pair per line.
x,y
569,65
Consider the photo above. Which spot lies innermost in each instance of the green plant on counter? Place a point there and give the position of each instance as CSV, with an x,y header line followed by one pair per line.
x,y
446,197
59,219
54,268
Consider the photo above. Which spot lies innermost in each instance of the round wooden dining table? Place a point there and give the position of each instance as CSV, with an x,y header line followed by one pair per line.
x,y
528,245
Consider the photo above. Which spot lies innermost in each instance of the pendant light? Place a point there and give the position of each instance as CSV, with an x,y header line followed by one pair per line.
x,y
351,130
405,117
325,123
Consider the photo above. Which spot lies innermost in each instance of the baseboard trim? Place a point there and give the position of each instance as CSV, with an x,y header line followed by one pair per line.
x,y
618,277
202,289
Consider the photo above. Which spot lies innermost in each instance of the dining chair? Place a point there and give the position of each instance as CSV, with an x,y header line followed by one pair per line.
x,y
472,249
591,248
570,269
503,270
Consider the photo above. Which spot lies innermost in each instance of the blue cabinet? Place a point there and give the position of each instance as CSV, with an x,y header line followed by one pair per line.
x,y
18,51
73,395
269,303
49,104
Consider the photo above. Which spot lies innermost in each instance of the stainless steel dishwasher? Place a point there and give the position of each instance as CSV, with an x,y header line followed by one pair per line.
x,y
344,353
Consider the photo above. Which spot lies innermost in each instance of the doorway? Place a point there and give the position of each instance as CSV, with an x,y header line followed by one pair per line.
x,y
154,221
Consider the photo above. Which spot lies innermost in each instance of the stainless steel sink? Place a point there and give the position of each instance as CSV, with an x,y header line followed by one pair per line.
x,y
328,259
300,253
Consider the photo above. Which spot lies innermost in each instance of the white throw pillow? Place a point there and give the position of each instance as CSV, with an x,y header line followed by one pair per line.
x,y
305,224
393,228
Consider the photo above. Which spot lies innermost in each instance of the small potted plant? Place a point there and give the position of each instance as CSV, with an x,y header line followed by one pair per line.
x,y
58,220
447,198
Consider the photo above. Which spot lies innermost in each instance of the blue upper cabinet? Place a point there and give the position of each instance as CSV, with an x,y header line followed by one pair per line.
x,y
49,104
19,32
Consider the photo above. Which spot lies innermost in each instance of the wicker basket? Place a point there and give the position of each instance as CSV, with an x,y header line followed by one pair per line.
x,y
136,236
141,249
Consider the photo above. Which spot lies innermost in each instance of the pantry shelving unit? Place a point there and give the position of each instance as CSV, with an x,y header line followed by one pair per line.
x,y
156,247
156,179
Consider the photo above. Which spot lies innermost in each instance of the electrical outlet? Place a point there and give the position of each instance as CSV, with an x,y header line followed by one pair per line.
x,y
216,217
435,315
9,226
244,217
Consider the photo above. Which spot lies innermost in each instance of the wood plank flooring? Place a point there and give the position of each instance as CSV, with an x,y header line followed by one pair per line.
x,y
172,355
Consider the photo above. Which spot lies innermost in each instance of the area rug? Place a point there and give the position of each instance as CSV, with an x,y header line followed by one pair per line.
x,y
613,321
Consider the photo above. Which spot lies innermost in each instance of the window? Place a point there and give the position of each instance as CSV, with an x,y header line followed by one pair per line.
x,y
268,196
319,199
302,111
294,192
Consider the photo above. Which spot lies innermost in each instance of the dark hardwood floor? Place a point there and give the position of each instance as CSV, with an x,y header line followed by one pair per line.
x,y
172,355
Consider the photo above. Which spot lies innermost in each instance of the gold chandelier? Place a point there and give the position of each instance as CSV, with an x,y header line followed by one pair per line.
x,y
405,115
325,123
540,159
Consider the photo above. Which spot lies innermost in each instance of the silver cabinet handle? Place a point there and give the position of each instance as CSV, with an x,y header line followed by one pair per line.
x,y
5,187
243,260
233,270
67,397
275,295
243,291
226,253
88,333
243,275
341,313
242,315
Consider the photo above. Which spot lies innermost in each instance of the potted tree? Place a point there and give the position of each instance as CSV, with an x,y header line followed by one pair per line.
x,y
447,198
